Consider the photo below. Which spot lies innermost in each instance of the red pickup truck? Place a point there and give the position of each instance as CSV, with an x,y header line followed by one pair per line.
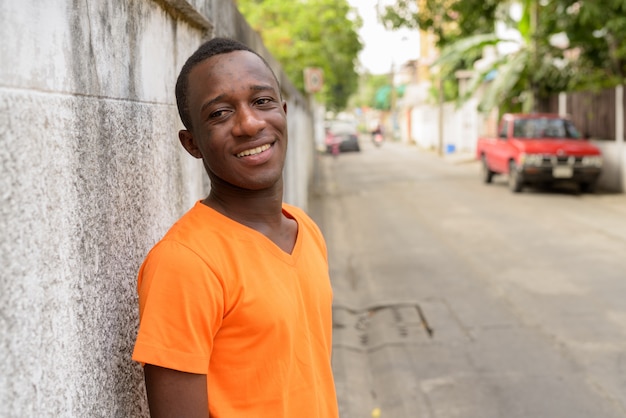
x,y
539,149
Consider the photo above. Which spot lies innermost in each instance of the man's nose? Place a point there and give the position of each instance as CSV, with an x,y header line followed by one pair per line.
x,y
248,122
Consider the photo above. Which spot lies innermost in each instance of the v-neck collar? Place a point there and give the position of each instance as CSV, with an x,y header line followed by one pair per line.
x,y
289,258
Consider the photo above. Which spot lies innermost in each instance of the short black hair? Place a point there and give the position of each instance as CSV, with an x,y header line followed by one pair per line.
x,y
215,46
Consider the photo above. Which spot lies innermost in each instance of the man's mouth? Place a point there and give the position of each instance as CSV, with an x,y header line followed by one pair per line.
x,y
254,151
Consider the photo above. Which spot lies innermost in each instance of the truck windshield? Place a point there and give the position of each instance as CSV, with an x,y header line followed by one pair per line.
x,y
544,128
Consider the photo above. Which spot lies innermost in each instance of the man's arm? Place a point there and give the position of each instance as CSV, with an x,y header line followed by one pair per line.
x,y
172,393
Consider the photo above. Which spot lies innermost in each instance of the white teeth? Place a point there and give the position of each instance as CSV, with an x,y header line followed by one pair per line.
x,y
254,151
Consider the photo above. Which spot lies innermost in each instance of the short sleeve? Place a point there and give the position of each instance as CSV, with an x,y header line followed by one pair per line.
x,y
181,305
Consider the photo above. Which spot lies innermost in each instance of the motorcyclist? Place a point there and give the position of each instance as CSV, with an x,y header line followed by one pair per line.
x,y
377,134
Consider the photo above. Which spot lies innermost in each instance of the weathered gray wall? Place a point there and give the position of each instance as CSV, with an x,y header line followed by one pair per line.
x,y
91,177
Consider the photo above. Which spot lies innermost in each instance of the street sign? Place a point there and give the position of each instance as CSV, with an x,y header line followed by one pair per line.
x,y
313,79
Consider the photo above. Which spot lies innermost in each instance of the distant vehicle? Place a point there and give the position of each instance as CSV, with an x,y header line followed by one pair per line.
x,y
341,136
377,134
539,149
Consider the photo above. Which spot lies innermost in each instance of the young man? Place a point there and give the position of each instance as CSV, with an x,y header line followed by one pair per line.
x,y
235,300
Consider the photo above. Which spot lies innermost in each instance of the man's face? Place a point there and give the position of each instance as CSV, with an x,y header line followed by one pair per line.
x,y
239,120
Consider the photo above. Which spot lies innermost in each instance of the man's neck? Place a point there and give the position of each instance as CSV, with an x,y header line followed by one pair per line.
x,y
257,210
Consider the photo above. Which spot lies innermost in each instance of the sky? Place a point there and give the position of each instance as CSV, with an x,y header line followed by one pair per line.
x,y
382,48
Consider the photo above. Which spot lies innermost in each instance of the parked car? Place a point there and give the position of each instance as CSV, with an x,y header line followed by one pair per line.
x,y
539,149
341,135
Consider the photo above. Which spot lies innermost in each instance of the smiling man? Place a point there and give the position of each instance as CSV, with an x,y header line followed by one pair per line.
x,y
235,300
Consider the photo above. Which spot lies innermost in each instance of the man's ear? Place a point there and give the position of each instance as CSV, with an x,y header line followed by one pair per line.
x,y
187,141
285,106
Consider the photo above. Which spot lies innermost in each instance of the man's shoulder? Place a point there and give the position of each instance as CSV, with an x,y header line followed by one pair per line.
x,y
199,220
305,221
189,221
299,214
294,210
195,229
190,241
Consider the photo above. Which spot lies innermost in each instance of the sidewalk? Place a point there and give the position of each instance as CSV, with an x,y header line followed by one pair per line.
x,y
460,157
455,157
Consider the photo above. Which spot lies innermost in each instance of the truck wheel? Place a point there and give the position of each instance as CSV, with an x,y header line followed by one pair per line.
x,y
515,178
486,173
587,187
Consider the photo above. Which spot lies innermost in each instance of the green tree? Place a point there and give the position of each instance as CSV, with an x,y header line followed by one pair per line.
x,y
311,33
369,86
596,32
595,56
518,78
448,20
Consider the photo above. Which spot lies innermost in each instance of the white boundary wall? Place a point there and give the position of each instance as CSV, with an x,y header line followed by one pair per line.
x,y
92,176
613,177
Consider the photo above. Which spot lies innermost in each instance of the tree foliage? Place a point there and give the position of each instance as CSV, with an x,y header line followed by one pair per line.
x,y
597,39
311,33
448,20
594,54
531,69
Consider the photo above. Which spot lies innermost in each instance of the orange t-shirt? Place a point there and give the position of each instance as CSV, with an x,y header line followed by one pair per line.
x,y
221,299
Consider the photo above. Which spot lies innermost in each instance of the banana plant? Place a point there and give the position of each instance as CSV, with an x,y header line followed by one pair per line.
x,y
514,75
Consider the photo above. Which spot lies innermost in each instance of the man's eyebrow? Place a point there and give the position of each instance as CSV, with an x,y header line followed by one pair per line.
x,y
262,87
210,102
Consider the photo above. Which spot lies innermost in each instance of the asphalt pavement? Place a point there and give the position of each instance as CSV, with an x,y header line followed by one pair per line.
x,y
458,299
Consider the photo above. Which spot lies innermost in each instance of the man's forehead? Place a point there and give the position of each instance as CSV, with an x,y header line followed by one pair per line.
x,y
241,61
239,56
235,62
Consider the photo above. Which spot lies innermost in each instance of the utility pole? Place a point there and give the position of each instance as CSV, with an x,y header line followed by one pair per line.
x,y
440,120
534,18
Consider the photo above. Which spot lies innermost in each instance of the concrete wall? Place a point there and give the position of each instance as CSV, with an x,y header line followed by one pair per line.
x,y
91,176
419,122
460,127
613,177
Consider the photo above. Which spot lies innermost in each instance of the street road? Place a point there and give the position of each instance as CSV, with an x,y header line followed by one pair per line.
x,y
458,299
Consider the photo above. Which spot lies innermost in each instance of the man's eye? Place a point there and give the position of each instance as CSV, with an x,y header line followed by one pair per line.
x,y
216,114
263,100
